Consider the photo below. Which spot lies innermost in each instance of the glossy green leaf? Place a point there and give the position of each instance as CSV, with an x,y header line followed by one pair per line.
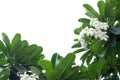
x,y
101,6
89,59
115,30
55,59
90,10
2,47
113,40
100,65
84,20
6,41
35,70
85,56
76,45
97,46
47,65
21,69
71,72
77,30
64,65
16,42
78,51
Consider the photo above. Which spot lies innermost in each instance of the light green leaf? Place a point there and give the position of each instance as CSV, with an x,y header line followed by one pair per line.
x,y
47,65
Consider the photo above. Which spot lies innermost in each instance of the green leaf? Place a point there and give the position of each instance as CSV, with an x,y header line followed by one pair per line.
x,y
100,65
71,72
47,65
16,41
35,70
2,61
97,46
6,41
85,56
110,11
78,30
90,10
89,59
21,69
113,40
51,75
83,69
2,47
101,6
115,30
55,59
84,20
64,65
78,51
76,45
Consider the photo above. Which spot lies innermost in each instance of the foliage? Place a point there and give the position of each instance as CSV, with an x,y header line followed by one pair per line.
x,y
102,57
98,42
18,56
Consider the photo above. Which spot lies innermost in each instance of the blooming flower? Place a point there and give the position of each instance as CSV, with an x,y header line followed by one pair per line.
x,y
25,76
98,25
96,31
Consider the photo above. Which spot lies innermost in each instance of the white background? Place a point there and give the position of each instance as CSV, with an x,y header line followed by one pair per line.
x,y
48,23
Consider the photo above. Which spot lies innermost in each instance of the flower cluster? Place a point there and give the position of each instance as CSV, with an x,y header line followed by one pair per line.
x,y
26,76
97,30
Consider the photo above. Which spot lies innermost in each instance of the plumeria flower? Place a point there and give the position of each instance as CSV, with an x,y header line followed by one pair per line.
x,y
83,43
98,25
101,35
96,31
34,77
94,21
26,76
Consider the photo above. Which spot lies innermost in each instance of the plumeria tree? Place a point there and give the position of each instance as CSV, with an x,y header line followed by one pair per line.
x,y
98,41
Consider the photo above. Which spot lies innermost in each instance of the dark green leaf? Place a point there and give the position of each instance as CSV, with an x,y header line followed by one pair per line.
x,y
84,20
100,65
113,40
78,51
35,70
20,68
71,72
85,56
115,30
89,59
3,61
6,41
101,6
76,45
16,42
97,46
77,30
55,59
64,65
2,47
